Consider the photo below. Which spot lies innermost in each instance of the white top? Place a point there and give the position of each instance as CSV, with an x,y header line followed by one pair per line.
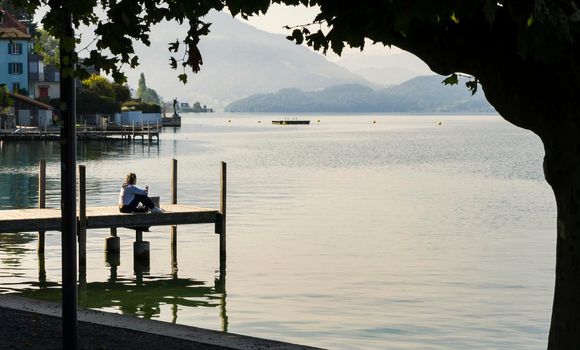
x,y
128,193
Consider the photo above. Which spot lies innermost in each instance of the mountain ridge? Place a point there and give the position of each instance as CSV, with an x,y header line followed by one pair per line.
x,y
425,94
239,60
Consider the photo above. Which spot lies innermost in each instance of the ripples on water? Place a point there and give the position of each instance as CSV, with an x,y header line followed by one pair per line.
x,y
404,234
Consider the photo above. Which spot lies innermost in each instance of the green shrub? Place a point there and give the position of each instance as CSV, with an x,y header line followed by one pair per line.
x,y
141,106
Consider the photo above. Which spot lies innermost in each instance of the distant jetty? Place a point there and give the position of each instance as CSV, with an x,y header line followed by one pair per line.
x,y
294,121
110,132
174,120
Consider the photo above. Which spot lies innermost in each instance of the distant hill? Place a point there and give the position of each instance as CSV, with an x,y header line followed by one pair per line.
x,y
238,60
424,94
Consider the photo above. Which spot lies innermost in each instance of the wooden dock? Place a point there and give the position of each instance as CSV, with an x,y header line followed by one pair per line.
x,y
43,219
49,219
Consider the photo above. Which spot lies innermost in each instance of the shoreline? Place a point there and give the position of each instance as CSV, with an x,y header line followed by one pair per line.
x,y
35,324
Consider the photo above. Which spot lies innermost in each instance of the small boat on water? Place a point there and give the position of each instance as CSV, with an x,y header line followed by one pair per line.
x,y
293,121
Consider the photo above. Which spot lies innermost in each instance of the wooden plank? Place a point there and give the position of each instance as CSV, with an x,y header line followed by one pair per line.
x,y
174,215
28,220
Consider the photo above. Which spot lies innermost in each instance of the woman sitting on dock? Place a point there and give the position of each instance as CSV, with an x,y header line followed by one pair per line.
x,y
132,196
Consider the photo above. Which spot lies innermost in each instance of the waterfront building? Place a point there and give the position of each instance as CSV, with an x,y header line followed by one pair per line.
x,y
14,50
44,79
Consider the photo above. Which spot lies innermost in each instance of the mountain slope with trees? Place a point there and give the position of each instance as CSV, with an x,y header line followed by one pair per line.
x,y
424,94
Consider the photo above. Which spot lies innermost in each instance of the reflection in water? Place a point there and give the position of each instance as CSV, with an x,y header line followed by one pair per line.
x,y
13,247
144,298
19,166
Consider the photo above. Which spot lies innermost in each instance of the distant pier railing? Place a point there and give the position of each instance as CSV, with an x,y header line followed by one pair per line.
x,y
149,132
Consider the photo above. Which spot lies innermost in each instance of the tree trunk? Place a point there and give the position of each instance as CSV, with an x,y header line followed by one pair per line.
x,y
562,171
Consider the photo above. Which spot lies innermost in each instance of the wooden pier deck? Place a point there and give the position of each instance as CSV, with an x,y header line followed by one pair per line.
x,y
49,219
44,219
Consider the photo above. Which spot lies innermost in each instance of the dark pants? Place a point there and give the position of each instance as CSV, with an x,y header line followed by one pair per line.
x,y
139,199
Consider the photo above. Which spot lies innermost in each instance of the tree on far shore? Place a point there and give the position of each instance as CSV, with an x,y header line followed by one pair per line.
x,y
147,94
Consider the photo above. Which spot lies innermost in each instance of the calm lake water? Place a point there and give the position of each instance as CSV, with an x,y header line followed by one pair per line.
x,y
414,232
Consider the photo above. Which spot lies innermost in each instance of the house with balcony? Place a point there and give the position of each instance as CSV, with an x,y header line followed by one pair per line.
x,y
14,49
44,79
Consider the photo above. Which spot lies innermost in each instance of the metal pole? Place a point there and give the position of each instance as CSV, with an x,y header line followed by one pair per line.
x,y
68,184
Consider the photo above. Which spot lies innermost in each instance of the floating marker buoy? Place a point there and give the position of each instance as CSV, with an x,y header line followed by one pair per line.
x,y
374,121
439,123
259,121
318,121
229,120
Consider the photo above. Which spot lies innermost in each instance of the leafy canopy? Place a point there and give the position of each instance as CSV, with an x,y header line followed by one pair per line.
x,y
46,46
102,87
473,36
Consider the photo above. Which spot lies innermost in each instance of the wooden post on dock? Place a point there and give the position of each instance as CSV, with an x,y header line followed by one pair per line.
x,y
173,227
41,234
41,201
223,216
82,219
141,248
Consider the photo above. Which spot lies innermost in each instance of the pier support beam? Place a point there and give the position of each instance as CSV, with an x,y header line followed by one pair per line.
x,y
141,248
222,221
82,234
173,227
113,261
113,242
141,255
41,201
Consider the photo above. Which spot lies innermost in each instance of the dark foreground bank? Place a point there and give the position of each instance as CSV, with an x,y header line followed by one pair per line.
x,y
32,324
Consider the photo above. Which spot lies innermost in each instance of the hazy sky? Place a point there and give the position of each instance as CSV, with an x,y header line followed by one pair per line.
x,y
278,16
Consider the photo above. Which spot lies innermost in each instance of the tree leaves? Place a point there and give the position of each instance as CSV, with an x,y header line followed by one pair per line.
x,y
174,47
296,36
451,80
172,62
472,86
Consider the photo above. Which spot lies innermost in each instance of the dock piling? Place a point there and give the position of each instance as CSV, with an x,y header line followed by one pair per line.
x,y
41,202
113,242
113,261
141,248
82,234
222,221
174,227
